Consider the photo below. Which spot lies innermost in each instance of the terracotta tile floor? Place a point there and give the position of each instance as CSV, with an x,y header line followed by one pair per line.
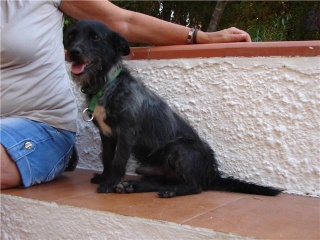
x,y
282,217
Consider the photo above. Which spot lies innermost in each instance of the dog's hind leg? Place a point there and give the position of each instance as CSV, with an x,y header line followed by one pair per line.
x,y
154,186
178,190
132,186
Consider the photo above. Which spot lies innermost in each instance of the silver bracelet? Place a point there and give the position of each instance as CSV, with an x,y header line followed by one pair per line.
x,y
190,39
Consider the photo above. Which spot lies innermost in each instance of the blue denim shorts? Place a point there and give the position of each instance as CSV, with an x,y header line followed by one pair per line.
x,y
40,152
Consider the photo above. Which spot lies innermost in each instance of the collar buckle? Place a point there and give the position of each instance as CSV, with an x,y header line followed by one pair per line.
x,y
86,117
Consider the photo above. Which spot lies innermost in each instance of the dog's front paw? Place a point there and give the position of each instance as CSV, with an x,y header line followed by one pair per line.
x,y
98,178
167,192
106,188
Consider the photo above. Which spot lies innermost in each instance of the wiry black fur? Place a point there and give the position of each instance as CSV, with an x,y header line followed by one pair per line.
x,y
173,159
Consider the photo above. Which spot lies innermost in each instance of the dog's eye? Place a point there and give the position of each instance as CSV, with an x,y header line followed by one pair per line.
x,y
94,37
72,33
71,36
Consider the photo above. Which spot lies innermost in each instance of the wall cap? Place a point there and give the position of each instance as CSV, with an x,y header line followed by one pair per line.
x,y
241,49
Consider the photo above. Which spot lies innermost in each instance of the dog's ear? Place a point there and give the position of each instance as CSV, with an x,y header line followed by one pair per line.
x,y
65,39
121,44
68,36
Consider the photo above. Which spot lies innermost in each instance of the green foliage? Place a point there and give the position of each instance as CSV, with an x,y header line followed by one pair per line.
x,y
275,31
264,20
275,20
68,21
187,13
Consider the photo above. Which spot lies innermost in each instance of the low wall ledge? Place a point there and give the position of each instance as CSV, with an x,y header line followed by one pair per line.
x,y
242,49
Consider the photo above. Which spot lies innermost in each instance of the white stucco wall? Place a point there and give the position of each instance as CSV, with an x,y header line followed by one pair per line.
x,y
23,218
260,115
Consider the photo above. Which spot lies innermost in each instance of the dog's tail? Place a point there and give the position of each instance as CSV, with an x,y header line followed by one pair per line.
x,y
234,185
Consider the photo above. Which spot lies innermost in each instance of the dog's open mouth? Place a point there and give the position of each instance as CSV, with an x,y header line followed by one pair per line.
x,y
79,68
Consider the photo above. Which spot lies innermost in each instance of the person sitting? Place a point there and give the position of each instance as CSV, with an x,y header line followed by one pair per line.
x,y
38,109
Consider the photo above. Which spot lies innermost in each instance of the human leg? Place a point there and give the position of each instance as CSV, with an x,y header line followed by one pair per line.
x,y
40,152
10,176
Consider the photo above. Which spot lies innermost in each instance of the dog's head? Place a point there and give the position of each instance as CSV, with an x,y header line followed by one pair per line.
x,y
93,49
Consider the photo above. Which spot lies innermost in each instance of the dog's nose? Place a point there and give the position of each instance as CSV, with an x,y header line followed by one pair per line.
x,y
75,52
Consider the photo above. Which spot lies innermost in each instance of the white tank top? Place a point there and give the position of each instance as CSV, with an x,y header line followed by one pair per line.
x,y
34,81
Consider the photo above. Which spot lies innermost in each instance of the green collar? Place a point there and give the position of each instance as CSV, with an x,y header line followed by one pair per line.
x,y
113,74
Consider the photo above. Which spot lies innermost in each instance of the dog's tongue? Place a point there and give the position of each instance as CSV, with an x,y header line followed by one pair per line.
x,y
77,68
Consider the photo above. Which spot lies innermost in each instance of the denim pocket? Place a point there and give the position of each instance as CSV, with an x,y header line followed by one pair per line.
x,y
21,149
61,165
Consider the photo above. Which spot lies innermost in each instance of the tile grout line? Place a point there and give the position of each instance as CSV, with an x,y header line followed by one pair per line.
x,y
212,209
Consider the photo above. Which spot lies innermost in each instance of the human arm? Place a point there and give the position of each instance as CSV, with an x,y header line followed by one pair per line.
x,y
141,28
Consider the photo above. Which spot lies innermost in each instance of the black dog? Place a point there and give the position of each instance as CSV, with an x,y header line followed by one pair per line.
x,y
133,120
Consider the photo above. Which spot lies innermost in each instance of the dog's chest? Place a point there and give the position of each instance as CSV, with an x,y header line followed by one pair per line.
x,y
100,116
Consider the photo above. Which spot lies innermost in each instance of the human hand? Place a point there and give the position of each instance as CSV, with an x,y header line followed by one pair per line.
x,y
224,36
